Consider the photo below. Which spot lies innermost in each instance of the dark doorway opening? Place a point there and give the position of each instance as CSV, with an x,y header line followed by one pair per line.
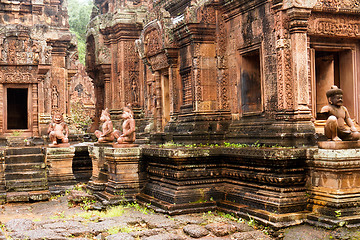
x,y
17,108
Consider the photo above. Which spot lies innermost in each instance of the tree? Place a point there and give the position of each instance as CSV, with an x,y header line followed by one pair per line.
x,y
79,16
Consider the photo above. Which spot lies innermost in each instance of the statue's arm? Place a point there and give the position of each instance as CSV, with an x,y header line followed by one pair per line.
x,y
50,128
107,129
66,129
348,121
131,129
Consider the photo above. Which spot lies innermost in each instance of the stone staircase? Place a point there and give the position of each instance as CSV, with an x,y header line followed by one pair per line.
x,y
25,174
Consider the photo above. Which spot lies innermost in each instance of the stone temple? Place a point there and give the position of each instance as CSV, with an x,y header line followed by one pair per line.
x,y
217,73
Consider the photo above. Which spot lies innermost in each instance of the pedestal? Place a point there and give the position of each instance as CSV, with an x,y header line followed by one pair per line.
x,y
59,165
334,187
99,168
125,178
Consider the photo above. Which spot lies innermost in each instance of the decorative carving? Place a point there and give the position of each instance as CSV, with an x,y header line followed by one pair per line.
x,y
152,42
54,98
346,26
187,88
17,75
284,69
338,4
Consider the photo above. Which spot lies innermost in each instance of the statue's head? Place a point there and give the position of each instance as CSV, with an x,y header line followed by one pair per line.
x,y
335,96
127,112
105,115
57,117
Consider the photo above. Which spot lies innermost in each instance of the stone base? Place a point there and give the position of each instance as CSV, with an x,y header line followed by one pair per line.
x,y
175,209
339,145
334,187
60,145
333,222
96,186
27,196
275,220
124,145
124,177
59,163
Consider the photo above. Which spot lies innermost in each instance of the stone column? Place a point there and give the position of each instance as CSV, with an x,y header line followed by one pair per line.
x,y
59,166
334,187
124,174
298,37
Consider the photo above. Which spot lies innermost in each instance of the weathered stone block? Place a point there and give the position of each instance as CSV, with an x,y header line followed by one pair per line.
x,y
99,168
333,186
125,178
59,166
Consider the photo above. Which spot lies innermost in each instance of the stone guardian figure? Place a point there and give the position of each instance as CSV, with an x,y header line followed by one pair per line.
x,y
58,130
107,133
128,134
339,126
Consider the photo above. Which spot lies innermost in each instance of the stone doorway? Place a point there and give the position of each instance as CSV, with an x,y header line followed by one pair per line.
x,y
333,67
17,108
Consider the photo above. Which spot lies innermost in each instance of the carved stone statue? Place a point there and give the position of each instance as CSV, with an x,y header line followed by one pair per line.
x,y
107,133
58,130
338,118
128,134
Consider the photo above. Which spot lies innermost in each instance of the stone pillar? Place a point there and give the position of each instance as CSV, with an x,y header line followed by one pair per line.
x,y
125,176
158,109
334,187
99,169
298,36
59,166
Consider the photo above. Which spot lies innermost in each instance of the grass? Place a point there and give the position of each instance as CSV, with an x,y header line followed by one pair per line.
x,y
256,144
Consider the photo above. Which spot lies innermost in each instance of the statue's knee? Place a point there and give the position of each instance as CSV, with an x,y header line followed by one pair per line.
x,y
332,120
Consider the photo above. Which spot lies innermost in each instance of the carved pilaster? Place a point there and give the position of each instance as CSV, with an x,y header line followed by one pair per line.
x,y
158,108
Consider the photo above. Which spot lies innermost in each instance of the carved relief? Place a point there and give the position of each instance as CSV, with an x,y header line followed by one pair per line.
x,y
54,98
338,4
206,15
284,69
346,26
187,88
152,43
197,73
131,75
223,78
17,75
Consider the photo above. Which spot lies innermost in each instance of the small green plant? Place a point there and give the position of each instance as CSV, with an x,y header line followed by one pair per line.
x,y
139,208
87,204
55,197
252,222
338,213
17,133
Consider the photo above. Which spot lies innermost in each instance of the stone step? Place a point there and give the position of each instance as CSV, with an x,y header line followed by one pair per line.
x,y
19,167
23,151
33,158
25,175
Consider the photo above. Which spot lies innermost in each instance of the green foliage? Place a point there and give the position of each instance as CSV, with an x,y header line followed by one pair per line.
x,y
79,118
79,16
